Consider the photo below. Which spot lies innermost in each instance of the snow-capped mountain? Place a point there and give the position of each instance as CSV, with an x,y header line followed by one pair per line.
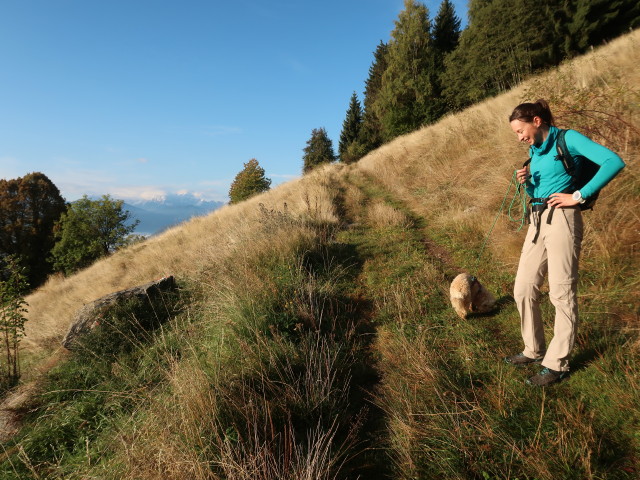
x,y
161,213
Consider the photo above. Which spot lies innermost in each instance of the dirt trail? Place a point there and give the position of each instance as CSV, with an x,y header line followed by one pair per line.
x,y
439,253
18,401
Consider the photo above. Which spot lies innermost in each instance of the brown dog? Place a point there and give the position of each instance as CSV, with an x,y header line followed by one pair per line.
x,y
468,295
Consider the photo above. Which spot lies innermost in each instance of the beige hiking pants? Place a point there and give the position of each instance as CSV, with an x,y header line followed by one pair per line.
x,y
555,252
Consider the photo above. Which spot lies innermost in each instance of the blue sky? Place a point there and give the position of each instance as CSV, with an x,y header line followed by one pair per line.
x,y
141,98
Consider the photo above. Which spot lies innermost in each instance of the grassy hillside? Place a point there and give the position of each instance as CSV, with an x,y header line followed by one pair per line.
x,y
312,336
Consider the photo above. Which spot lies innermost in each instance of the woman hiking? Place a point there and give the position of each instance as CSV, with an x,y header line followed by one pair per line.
x,y
553,241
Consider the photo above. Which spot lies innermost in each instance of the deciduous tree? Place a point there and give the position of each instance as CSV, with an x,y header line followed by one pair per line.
x,y
89,230
29,208
13,285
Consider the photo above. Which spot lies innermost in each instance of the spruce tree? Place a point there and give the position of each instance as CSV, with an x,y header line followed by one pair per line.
x,y
406,99
446,29
371,132
319,150
350,148
491,59
248,182
588,23
446,35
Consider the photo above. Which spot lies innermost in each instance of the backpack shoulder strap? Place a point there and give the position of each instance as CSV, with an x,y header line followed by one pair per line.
x,y
563,153
525,164
561,143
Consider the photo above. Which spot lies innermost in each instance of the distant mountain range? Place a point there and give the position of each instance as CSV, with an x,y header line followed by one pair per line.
x,y
161,213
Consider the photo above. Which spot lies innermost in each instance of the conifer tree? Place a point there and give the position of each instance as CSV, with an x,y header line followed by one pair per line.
x,y
406,99
488,59
248,182
446,35
587,23
319,150
371,132
446,29
350,148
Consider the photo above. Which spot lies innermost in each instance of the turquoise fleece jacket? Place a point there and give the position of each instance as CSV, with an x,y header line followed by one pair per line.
x,y
548,174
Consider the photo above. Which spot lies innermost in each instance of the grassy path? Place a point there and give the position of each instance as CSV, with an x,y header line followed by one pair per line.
x,y
453,407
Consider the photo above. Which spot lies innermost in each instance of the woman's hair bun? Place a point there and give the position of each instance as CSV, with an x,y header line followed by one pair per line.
x,y
526,112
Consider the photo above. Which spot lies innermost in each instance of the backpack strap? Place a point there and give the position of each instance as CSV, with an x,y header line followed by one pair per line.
x,y
577,171
568,162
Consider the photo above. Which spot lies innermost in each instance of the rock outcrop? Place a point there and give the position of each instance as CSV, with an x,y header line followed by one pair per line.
x,y
89,315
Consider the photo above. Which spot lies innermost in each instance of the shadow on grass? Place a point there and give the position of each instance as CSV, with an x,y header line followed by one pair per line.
x,y
502,303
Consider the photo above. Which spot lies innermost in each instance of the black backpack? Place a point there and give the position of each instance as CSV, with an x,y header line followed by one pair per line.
x,y
581,171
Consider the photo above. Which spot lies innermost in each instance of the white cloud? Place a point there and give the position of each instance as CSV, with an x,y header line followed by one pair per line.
x,y
142,192
283,176
213,195
148,192
74,181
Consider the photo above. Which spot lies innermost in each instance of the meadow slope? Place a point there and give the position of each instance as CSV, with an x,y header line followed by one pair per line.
x,y
312,336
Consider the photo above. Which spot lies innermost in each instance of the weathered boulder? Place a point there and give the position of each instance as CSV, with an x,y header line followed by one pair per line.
x,y
90,314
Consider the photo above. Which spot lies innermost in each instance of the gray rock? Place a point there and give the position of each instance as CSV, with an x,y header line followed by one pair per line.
x,y
89,315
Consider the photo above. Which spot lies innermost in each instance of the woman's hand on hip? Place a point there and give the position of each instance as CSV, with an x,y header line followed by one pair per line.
x,y
560,200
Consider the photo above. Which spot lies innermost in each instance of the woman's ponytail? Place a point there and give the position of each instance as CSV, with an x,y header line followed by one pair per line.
x,y
525,112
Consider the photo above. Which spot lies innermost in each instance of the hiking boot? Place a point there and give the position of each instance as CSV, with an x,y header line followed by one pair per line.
x,y
521,359
547,377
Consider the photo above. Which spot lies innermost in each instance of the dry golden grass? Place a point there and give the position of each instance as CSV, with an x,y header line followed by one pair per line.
x,y
188,250
219,256
456,172
169,442
381,214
